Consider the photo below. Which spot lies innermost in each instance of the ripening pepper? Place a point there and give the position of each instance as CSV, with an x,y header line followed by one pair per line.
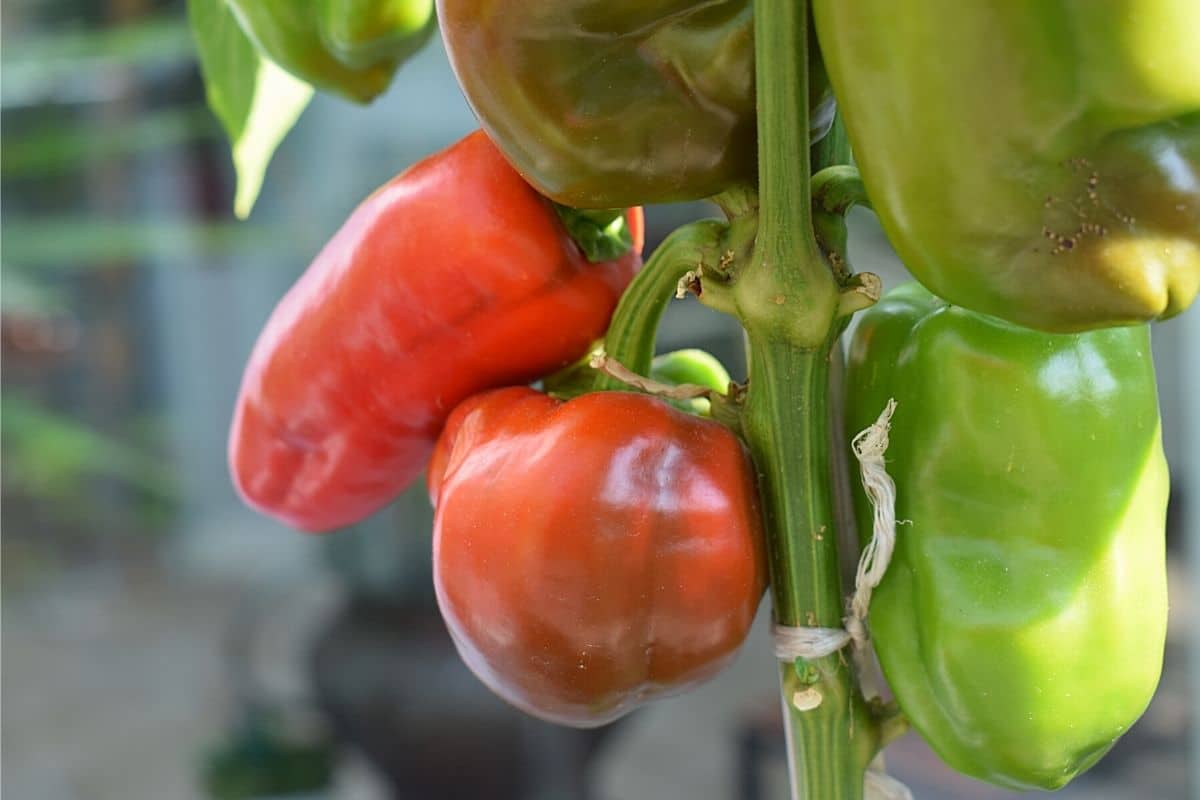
x,y
1036,160
453,278
1022,619
352,47
609,104
591,555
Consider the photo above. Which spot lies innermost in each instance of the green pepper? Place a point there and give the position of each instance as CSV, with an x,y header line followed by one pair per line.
x,y
352,47
696,368
1022,619
691,366
1037,160
598,102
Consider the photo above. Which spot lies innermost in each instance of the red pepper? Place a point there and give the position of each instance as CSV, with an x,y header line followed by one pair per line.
x,y
593,554
453,278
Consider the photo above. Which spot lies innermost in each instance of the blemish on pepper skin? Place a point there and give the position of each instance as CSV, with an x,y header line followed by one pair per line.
x,y
779,299
1088,206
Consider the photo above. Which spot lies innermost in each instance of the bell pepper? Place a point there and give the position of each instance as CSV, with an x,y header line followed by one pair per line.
x,y
1022,619
693,367
591,555
352,47
1036,160
453,278
609,104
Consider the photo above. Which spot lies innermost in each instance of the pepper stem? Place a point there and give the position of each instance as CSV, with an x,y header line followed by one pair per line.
x,y
634,325
788,298
786,292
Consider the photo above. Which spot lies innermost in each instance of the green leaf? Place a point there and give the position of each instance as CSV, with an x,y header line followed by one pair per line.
x,y
255,100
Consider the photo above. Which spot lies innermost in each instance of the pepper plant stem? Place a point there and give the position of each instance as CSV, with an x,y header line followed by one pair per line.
x,y
786,292
633,327
631,332
786,424
787,299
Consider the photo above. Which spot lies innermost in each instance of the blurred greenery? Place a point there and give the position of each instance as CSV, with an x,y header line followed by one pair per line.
x,y
53,456
24,293
51,149
81,107
41,142
69,243
138,41
263,759
35,61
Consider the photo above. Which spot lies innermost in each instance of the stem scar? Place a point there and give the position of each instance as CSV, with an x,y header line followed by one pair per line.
x,y
807,699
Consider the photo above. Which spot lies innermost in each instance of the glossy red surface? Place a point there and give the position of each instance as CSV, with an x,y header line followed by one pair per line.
x,y
593,554
452,278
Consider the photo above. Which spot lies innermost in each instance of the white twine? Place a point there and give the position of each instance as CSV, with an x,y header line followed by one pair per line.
x,y
869,447
878,785
793,643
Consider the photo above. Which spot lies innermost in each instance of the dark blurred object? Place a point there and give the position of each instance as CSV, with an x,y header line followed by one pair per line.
x,y
393,686
387,676
265,757
759,739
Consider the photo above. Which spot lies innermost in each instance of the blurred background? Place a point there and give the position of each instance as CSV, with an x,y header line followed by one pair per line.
x,y
162,641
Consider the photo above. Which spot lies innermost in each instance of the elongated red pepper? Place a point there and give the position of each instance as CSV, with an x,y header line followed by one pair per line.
x,y
453,278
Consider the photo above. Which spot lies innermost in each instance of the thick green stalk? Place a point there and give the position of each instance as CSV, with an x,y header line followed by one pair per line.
x,y
786,424
788,385
787,292
787,298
